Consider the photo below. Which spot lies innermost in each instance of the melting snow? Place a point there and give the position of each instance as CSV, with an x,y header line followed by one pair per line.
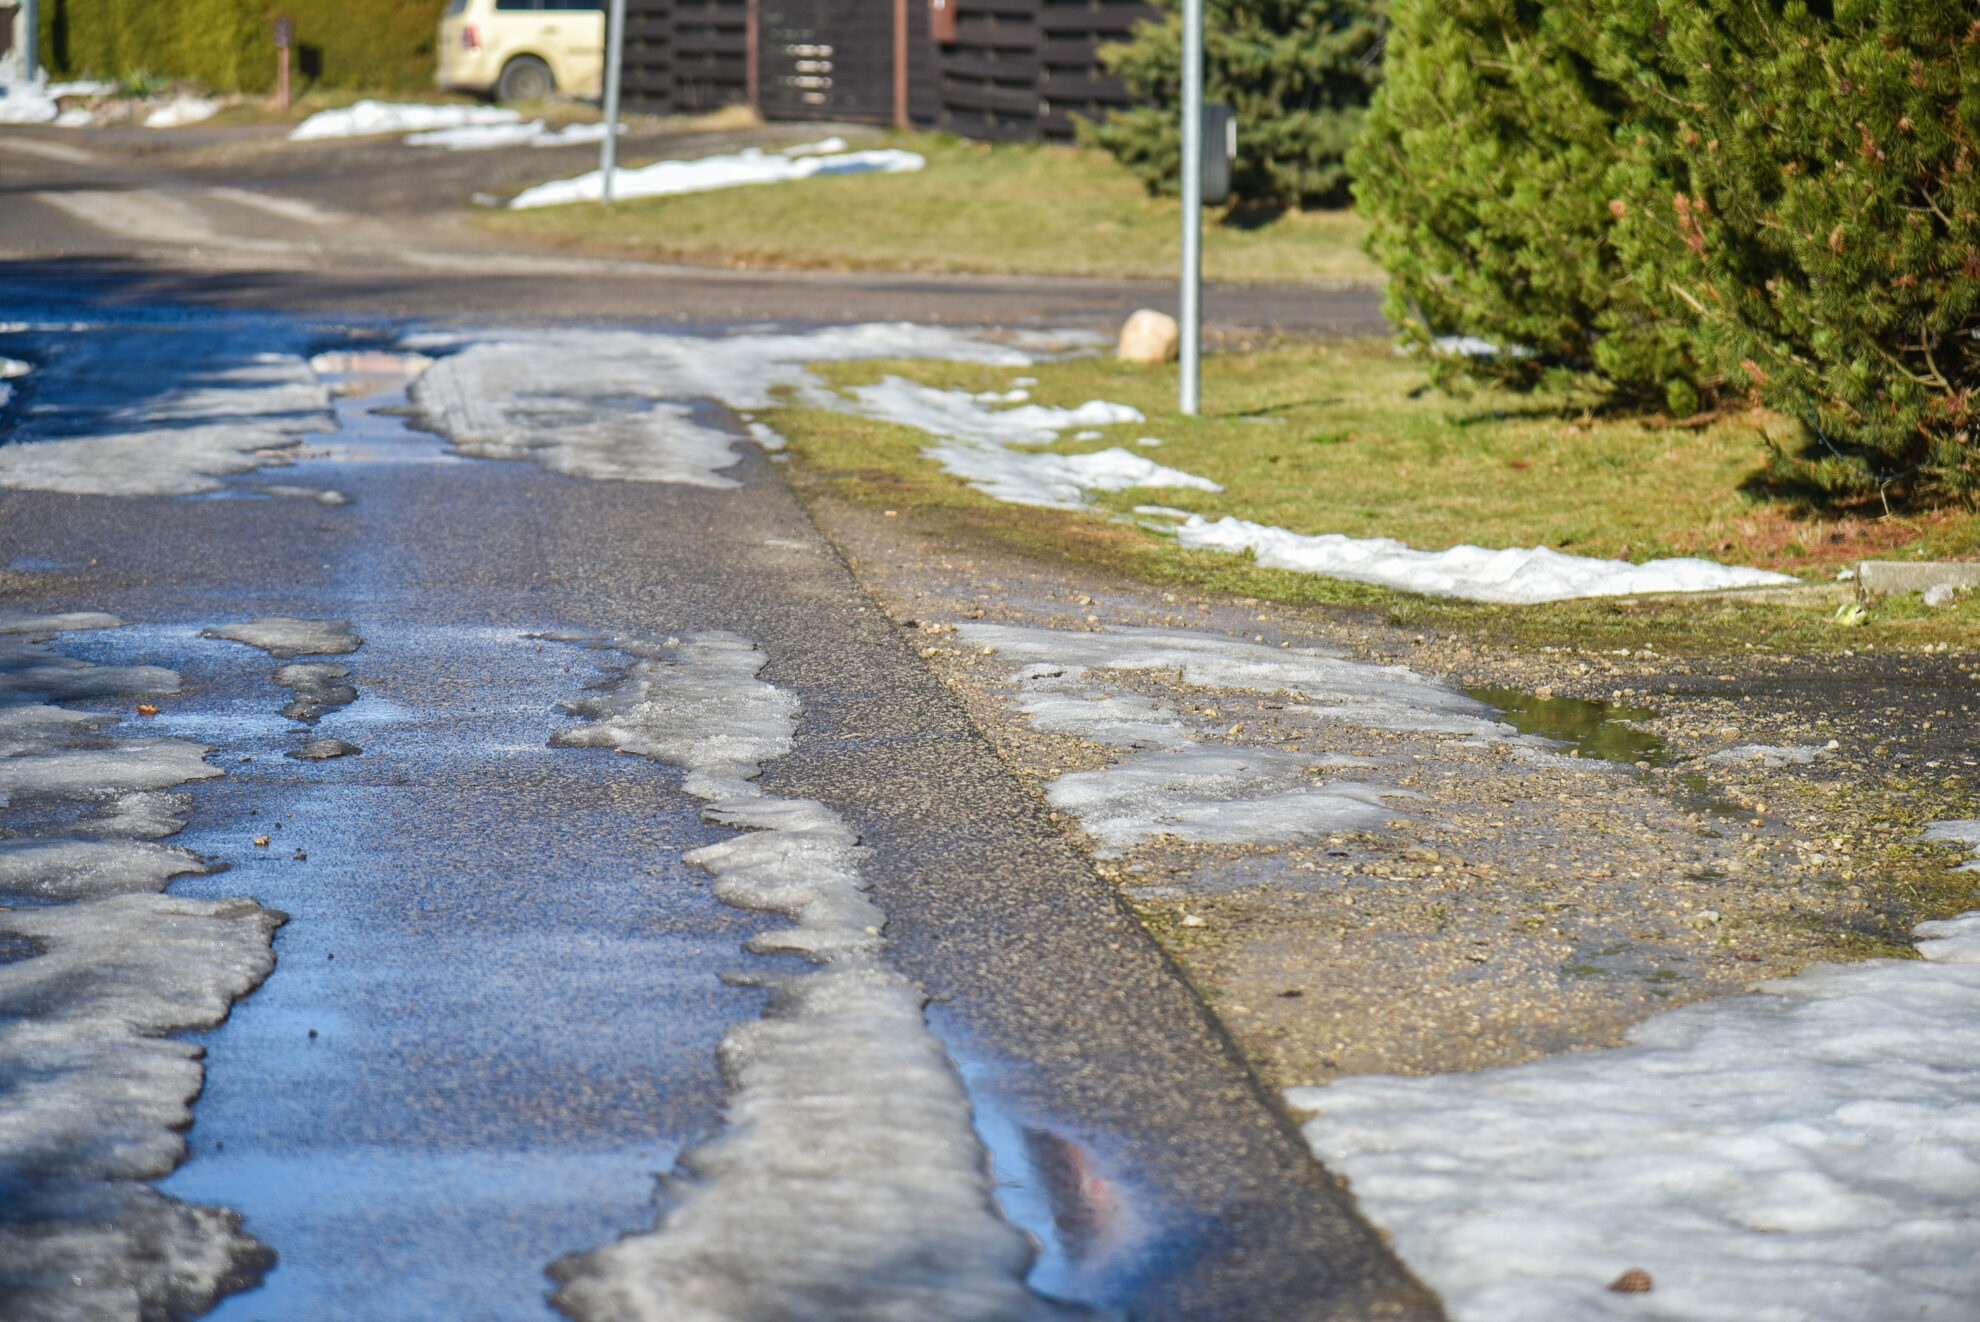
x,y
99,1076
706,173
849,1182
181,110
1807,1153
143,414
367,117
483,137
616,404
1517,575
1173,785
285,636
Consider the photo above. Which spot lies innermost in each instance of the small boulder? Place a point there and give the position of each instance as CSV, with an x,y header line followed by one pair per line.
x,y
1149,337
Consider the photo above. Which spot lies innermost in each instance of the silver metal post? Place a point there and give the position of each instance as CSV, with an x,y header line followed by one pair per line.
x,y
30,39
1192,208
615,51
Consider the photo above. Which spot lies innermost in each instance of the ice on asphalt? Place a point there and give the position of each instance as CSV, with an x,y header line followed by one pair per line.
x,y
617,405
704,174
367,117
92,1023
1517,575
849,1182
285,636
1809,1152
142,414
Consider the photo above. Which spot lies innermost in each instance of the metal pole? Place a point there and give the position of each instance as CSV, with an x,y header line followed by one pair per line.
x,y
901,64
615,58
30,39
1188,385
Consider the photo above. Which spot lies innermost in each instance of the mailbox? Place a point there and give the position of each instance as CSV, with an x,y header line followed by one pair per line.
x,y
1219,150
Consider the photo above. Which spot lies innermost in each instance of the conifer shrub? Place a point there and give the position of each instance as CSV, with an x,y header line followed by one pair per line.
x,y
1804,190
1483,176
1697,203
1297,74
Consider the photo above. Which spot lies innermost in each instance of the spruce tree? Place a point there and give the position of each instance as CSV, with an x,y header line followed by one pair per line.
x,y
1804,189
1297,73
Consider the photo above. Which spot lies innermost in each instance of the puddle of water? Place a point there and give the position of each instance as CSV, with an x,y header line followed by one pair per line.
x,y
1600,730
1593,728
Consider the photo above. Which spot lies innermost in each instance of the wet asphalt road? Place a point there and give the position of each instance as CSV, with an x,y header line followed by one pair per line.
x,y
512,980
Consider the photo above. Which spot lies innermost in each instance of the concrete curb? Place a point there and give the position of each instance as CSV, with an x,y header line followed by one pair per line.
x,y
1915,576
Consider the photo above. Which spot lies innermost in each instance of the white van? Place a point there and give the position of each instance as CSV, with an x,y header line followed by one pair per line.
x,y
522,50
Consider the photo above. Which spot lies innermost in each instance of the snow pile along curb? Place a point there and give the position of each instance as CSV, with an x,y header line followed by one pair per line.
x,y
363,118
1808,1152
849,1182
704,174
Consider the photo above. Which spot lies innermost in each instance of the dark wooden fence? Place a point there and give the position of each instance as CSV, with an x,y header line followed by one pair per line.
x,y
1008,70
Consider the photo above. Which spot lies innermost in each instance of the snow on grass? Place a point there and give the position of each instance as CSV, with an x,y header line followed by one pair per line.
x,y
977,436
363,118
707,173
977,431
486,137
1516,575
849,1181
181,110
621,405
26,103
1806,1153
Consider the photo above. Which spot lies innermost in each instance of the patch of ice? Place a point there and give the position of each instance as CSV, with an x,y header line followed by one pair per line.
x,y
182,110
321,495
707,173
99,1086
1219,795
1767,755
136,417
317,686
610,404
98,1078
68,869
28,670
130,765
849,1182
484,137
1374,697
1966,832
285,636
364,118
1809,1152
14,622
1518,575
1215,793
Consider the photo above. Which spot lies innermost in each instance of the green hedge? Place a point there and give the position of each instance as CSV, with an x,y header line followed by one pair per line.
x,y
228,45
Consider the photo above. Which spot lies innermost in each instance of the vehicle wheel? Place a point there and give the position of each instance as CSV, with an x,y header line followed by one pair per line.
x,y
525,78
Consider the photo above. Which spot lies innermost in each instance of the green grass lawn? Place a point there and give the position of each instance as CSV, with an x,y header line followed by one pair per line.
x,y
977,207
1345,436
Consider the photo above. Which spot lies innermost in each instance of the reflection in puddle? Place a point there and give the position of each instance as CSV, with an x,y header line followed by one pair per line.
x,y
1602,730
1593,728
